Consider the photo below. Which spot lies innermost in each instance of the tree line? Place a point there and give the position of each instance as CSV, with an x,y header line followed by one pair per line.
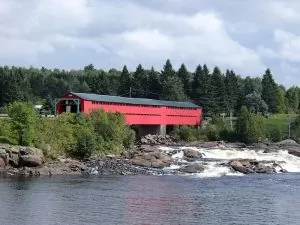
x,y
215,91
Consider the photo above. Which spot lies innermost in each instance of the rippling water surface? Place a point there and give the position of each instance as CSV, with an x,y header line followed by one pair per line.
x,y
253,199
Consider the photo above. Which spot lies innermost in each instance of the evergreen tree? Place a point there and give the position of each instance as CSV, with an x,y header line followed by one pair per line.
x,y
125,83
201,88
139,82
231,86
242,123
184,76
218,91
172,87
167,71
292,99
280,92
269,91
154,86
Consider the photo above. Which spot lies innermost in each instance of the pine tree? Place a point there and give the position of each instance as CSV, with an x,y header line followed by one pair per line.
x,y
139,82
269,89
231,86
172,87
184,76
167,71
292,99
218,91
125,83
154,85
280,92
201,88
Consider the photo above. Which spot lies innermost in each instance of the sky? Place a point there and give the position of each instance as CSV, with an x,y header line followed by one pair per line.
x,y
247,36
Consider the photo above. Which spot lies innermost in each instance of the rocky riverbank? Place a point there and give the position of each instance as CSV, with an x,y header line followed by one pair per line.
x,y
157,159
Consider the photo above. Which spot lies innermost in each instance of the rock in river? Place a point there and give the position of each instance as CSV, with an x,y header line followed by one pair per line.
x,y
192,153
194,168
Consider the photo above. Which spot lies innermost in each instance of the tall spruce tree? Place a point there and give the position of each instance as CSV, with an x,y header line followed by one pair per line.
x,y
185,78
201,88
154,85
139,82
269,91
231,86
125,83
218,91
172,87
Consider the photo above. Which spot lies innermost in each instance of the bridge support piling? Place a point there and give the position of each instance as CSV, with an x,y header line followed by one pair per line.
x,y
151,129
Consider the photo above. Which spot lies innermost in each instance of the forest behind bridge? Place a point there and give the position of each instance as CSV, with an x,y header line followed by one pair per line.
x,y
214,90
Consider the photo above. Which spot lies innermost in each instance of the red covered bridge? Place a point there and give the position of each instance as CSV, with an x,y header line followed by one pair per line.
x,y
137,111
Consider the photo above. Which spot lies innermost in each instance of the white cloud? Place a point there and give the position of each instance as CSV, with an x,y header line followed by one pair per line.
x,y
129,31
133,31
285,10
289,45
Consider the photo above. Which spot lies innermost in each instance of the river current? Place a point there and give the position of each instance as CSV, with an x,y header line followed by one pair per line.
x,y
217,196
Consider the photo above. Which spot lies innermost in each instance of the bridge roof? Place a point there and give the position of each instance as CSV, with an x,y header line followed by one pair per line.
x,y
134,101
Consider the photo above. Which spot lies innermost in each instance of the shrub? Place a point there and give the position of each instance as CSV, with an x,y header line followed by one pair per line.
x,y
276,134
185,133
249,127
212,133
23,118
85,143
7,140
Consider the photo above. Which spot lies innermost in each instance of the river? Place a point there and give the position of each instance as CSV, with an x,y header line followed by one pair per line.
x,y
251,199
213,197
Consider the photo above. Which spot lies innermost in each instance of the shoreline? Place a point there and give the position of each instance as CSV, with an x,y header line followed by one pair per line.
x,y
151,160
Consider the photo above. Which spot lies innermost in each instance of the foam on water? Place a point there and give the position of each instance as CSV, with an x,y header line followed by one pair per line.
x,y
214,170
285,160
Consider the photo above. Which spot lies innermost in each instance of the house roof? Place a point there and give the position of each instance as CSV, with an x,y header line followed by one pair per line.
x,y
135,101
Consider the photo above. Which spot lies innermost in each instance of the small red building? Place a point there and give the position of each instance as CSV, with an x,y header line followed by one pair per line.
x,y
137,111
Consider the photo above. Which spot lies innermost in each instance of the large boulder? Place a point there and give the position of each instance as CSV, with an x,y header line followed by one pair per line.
x,y
30,161
260,168
189,153
239,167
2,163
287,142
153,159
193,168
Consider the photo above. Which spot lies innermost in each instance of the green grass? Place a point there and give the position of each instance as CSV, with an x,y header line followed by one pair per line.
x,y
281,121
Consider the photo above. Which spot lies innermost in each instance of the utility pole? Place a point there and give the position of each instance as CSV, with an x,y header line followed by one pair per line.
x,y
130,92
231,120
289,129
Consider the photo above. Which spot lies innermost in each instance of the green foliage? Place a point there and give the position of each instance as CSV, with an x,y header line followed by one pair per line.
x,y
23,118
275,134
255,103
86,143
80,136
269,91
249,127
6,140
185,133
55,136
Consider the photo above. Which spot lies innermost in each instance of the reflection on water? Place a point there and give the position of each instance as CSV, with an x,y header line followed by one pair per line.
x,y
258,199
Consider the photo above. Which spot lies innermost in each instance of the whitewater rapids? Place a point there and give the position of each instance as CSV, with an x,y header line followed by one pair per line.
x,y
212,158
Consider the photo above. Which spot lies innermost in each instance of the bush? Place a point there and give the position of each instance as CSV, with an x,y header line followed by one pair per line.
x,y
23,118
249,127
228,135
7,140
185,133
276,134
212,133
85,143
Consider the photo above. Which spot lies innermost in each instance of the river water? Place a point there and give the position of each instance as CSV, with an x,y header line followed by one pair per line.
x,y
213,197
251,199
